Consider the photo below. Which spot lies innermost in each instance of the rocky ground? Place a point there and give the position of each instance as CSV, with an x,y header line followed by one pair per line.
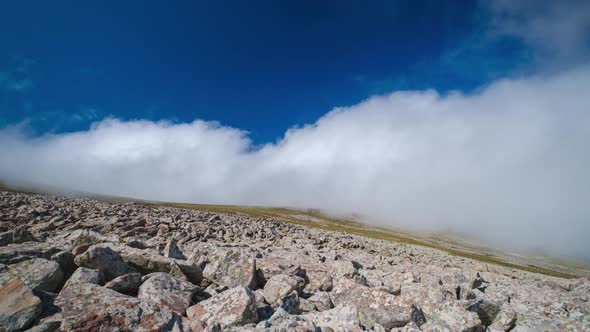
x,y
86,265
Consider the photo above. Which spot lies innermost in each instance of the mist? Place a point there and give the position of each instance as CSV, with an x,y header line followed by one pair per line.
x,y
507,164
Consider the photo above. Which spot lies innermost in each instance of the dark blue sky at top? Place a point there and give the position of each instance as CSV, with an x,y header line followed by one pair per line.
x,y
262,66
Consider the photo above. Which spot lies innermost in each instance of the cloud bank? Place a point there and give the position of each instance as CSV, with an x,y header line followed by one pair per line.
x,y
508,164
553,29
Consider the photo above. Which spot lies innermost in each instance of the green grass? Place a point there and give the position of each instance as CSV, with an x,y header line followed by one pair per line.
x,y
324,222
321,221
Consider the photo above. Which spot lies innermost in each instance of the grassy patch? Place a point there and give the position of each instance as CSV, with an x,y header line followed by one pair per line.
x,y
315,219
318,220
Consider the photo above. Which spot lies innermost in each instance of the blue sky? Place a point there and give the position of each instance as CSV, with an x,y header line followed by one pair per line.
x,y
455,116
262,66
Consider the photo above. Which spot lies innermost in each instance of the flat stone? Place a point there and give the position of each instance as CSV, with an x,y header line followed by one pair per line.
x,y
19,307
147,261
280,286
89,307
167,291
234,307
126,284
38,273
104,258
85,275
342,317
231,268
374,306
321,300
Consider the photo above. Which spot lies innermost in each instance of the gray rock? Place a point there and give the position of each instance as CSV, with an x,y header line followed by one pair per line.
x,y
231,268
321,301
342,317
104,258
167,291
19,307
85,275
280,286
283,321
65,259
172,250
147,261
289,303
125,284
374,306
91,307
39,274
45,327
234,307
21,234
318,281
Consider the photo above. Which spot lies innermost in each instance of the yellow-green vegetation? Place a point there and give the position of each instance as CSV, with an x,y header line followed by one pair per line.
x,y
313,218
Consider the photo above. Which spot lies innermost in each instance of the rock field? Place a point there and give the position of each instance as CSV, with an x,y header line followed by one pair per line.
x,y
77,264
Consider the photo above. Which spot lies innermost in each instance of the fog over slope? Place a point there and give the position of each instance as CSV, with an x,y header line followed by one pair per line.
x,y
508,164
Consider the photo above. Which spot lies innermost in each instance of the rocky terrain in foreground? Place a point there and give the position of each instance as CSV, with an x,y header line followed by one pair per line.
x,y
86,265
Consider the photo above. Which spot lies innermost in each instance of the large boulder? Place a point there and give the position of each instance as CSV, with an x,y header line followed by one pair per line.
x,y
172,250
452,317
167,291
318,280
38,273
65,259
104,258
18,252
89,307
234,307
147,261
21,234
281,320
342,317
374,306
126,284
19,307
85,275
321,301
281,285
231,268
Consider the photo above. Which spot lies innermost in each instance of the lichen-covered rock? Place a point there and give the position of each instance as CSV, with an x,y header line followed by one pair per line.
x,y
147,261
85,275
234,307
505,319
167,291
172,250
231,268
343,268
321,300
12,252
387,284
374,306
342,317
125,284
39,274
18,306
49,326
289,303
318,281
21,234
280,286
283,321
65,259
102,257
89,307
452,317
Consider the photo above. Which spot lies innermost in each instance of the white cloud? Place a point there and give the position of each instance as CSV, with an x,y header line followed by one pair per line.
x,y
508,164
557,29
